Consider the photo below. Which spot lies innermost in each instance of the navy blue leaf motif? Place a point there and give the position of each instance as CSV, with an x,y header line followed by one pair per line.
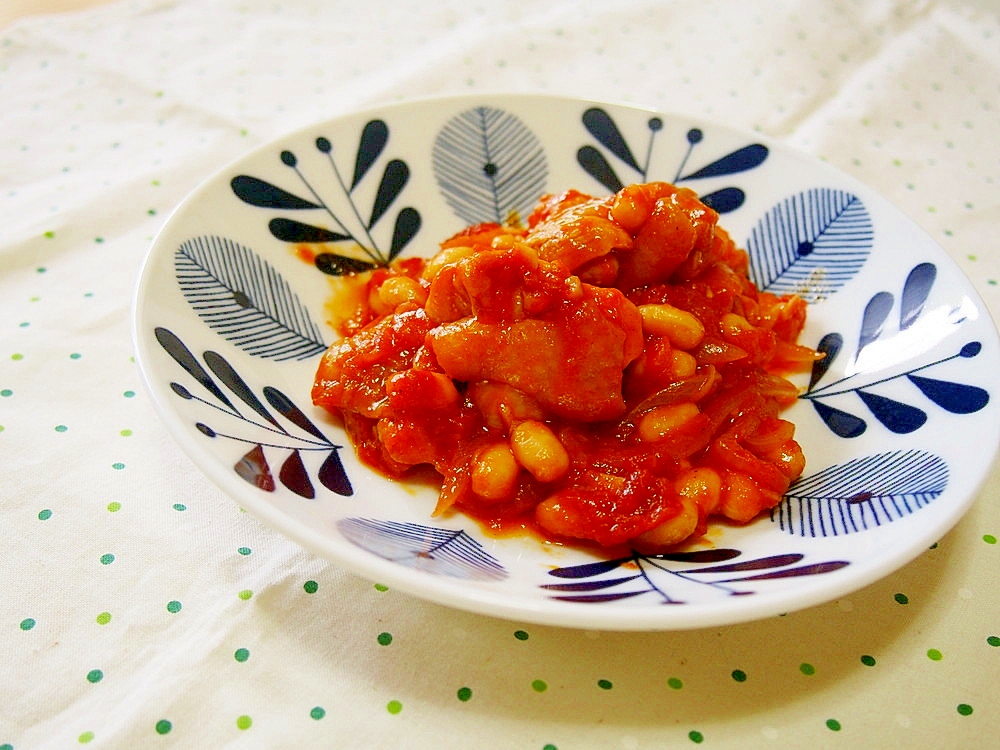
x,y
609,135
586,570
700,556
863,493
589,585
234,382
798,572
896,416
374,138
489,166
760,563
876,313
183,356
294,476
394,179
740,160
286,408
829,346
245,300
345,226
602,126
606,131
954,397
407,225
597,166
616,596
267,432
429,548
333,475
339,265
840,422
810,244
916,289
892,412
263,194
677,578
725,200
289,230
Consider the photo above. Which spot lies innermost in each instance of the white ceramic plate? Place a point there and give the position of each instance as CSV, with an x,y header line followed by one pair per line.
x,y
898,431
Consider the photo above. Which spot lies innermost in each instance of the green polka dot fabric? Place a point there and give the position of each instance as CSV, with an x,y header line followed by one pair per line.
x,y
142,608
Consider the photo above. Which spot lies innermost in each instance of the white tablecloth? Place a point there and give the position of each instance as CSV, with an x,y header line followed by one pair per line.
x,y
141,608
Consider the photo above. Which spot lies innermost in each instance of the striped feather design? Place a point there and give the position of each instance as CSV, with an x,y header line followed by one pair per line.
x,y
489,166
435,550
245,300
810,244
861,494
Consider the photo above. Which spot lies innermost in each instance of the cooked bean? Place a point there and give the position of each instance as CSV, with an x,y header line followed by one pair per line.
x,y
674,531
447,257
791,461
600,271
398,289
682,328
733,324
539,451
659,422
701,484
682,364
741,499
518,250
630,208
494,472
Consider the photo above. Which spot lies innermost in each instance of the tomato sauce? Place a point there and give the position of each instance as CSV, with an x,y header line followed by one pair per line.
x,y
607,375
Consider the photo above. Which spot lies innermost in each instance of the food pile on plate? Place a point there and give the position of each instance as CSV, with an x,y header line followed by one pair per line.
x,y
606,375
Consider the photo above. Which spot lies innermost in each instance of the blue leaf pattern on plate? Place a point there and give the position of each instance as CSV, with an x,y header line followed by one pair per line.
x,y
861,494
601,125
489,166
893,413
268,432
873,319
725,200
262,194
740,160
347,226
245,300
428,548
606,131
371,144
678,577
810,244
916,290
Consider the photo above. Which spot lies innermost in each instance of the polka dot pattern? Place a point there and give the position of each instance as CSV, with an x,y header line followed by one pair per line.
x,y
128,562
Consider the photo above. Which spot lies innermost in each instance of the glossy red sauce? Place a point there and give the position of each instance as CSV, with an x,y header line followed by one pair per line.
x,y
607,375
